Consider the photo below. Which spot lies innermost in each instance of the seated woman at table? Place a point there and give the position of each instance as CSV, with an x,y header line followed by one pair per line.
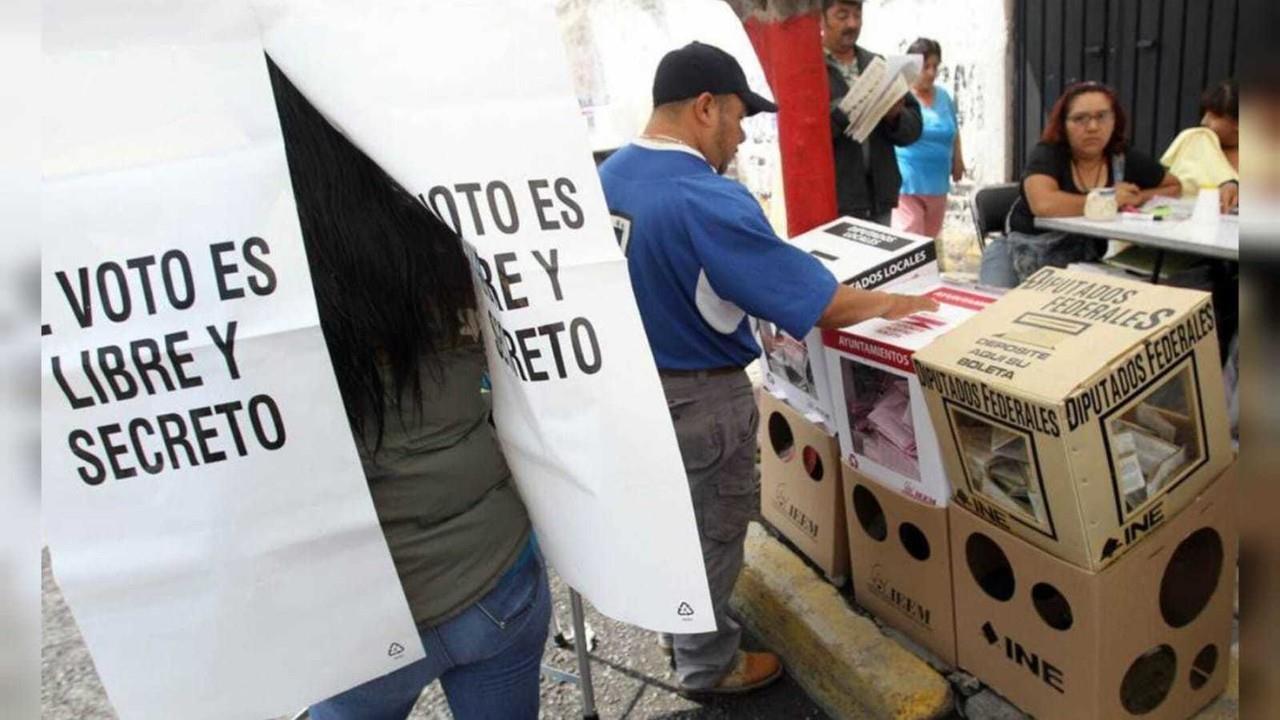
x,y
1083,147
1208,156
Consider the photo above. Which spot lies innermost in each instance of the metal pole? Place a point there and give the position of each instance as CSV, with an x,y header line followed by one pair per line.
x,y
584,661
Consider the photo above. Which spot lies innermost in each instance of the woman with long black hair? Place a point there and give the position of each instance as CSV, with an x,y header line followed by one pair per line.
x,y
396,304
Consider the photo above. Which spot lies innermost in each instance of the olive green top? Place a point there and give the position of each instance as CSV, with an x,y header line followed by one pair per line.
x,y
444,495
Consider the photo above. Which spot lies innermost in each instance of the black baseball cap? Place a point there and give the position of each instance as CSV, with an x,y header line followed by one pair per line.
x,y
697,68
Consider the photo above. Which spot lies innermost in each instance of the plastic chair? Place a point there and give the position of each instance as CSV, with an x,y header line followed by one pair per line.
x,y
990,206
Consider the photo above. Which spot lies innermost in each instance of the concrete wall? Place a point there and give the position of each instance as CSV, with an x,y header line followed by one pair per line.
x,y
977,67
976,38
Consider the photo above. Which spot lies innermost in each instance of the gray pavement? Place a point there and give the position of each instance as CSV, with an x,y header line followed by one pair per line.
x,y
632,678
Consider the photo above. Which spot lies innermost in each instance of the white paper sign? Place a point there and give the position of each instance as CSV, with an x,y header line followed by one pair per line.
x,y
209,521
468,104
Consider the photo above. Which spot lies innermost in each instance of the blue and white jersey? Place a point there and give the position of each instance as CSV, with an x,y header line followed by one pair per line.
x,y
703,258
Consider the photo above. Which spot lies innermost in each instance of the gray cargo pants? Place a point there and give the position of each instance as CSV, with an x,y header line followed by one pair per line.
x,y
715,419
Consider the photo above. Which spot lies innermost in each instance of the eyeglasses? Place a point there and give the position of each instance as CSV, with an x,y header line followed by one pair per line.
x,y
1086,119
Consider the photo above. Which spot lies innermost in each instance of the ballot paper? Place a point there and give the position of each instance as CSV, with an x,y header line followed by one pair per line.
x,y
1151,445
883,82
999,464
886,432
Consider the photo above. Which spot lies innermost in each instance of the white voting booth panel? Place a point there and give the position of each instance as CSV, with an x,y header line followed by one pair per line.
x,y
503,157
208,520
204,583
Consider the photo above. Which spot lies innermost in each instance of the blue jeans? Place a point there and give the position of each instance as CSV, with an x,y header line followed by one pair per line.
x,y
1010,260
488,659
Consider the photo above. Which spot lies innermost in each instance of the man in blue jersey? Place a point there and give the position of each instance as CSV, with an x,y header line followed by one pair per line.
x,y
702,258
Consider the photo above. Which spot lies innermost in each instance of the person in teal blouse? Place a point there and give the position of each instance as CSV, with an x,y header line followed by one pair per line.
x,y
930,164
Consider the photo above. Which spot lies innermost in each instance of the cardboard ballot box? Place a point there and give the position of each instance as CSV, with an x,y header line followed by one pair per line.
x,y
901,554
881,416
800,485
1150,636
1080,412
862,255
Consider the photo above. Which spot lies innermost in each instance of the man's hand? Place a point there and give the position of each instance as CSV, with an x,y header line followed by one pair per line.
x,y
957,172
1128,194
896,109
904,305
851,306
1229,196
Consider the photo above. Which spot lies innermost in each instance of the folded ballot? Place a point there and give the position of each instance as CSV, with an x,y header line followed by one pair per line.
x,y
883,82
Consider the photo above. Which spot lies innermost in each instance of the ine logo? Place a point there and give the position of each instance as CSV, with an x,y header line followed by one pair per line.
x,y
684,610
1153,517
984,510
395,650
1016,653
1110,548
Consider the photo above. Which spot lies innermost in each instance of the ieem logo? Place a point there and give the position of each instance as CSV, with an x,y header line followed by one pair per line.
x,y
909,606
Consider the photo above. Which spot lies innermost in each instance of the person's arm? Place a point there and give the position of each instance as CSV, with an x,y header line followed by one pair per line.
x,y
1170,186
1146,179
957,160
1229,195
838,87
1047,199
1131,194
850,306
748,265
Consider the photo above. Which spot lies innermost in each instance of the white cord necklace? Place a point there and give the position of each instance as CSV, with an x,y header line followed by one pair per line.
x,y
665,138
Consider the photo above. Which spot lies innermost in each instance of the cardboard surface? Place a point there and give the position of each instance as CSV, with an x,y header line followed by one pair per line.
x,y
1080,412
881,416
1127,642
862,255
800,485
901,557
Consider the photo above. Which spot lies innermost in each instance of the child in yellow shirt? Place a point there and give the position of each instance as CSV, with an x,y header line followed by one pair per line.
x,y
1209,156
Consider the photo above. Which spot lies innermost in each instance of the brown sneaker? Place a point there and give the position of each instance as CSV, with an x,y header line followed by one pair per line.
x,y
751,671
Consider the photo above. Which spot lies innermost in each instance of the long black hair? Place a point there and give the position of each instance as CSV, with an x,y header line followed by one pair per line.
x,y
393,285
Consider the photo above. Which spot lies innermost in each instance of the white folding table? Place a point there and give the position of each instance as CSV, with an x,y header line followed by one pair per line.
x,y
1219,239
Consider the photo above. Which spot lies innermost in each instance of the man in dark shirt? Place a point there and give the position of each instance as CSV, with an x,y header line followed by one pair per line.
x,y
867,179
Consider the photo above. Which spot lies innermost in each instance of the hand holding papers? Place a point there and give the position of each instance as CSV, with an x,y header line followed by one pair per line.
x,y
881,84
